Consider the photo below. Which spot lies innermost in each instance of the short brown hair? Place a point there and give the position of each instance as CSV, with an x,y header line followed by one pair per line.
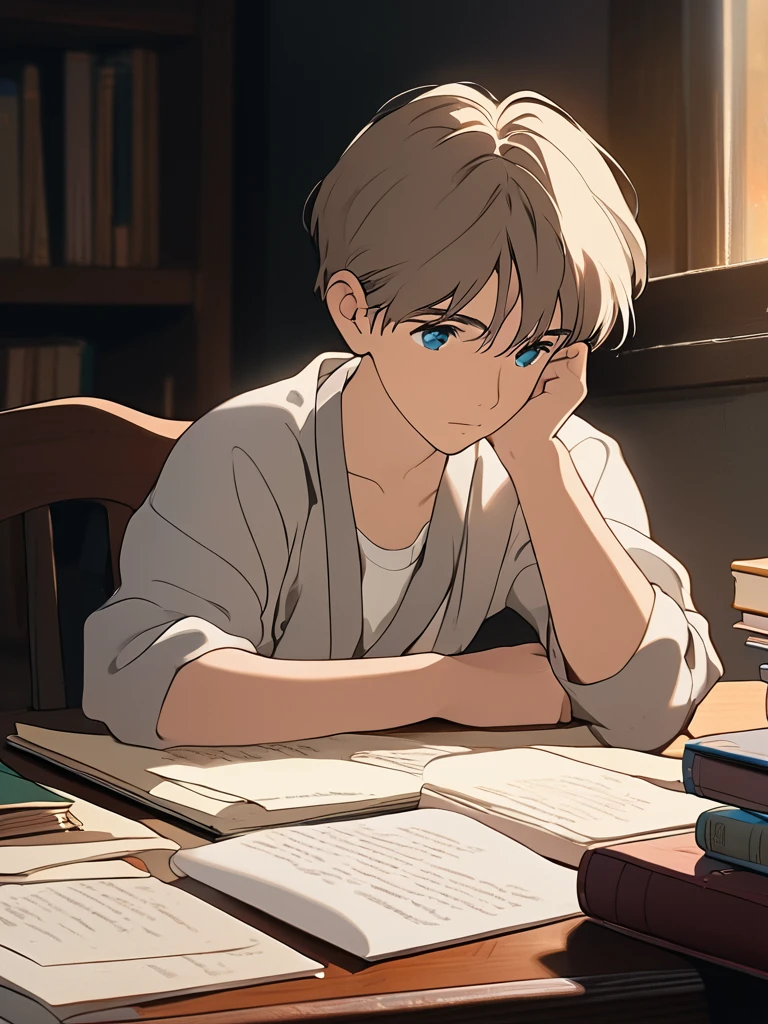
x,y
434,196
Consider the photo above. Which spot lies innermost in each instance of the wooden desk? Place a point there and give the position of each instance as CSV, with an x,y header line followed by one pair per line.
x,y
569,971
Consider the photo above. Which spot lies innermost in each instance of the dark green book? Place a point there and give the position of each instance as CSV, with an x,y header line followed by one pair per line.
x,y
27,808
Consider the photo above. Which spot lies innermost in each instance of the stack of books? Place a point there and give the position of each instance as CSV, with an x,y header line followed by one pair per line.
x,y
705,892
751,599
109,163
39,371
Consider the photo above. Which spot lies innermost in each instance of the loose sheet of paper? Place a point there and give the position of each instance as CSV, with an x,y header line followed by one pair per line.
x,y
580,801
390,884
86,921
83,985
299,782
86,869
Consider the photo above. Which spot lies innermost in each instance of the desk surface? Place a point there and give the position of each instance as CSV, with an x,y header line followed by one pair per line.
x,y
571,970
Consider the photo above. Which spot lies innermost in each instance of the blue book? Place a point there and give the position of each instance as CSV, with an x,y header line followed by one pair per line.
x,y
731,768
740,838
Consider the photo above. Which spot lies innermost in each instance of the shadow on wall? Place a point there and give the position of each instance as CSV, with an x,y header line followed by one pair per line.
x,y
705,483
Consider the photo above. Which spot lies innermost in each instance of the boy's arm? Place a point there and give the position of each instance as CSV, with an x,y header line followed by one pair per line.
x,y
235,697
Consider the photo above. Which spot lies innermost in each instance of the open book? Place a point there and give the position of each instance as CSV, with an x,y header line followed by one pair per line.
x,y
130,941
229,790
390,885
563,801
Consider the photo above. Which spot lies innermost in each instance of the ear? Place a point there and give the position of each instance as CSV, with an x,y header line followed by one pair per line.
x,y
348,307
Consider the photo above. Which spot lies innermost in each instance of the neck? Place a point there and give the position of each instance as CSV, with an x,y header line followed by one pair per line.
x,y
379,443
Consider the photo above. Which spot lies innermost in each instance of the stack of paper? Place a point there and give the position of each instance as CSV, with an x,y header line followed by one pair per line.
x,y
93,851
229,790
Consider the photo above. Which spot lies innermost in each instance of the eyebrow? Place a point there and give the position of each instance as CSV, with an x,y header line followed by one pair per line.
x,y
471,321
458,318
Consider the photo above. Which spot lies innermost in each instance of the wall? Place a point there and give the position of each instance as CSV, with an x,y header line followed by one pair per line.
x,y
328,68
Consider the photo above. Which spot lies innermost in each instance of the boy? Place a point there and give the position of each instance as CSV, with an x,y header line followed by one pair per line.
x,y
317,554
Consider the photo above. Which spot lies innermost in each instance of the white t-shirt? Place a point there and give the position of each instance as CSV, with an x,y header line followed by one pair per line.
x,y
386,575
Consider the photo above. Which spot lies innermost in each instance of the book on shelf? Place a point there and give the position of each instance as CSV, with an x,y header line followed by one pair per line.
x,y
35,242
41,372
730,767
132,940
10,183
107,161
390,885
667,892
753,623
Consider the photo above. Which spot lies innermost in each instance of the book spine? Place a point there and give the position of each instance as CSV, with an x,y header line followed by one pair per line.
x,y
45,377
123,161
139,110
105,113
671,909
78,158
733,836
68,360
35,242
14,378
153,160
10,186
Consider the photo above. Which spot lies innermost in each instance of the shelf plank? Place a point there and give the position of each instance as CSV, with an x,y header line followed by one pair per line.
x,y
697,329
160,17
94,286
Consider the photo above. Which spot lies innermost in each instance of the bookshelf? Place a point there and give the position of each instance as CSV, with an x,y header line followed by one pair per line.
x,y
145,324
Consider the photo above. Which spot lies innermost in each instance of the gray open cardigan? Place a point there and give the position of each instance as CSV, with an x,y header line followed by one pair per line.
x,y
248,540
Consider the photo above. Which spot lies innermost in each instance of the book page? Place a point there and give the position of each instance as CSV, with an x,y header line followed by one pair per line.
x,y
580,801
503,739
302,782
92,920
666,772
389,884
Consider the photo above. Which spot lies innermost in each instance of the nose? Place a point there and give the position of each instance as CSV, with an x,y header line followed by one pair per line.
x,y
487,396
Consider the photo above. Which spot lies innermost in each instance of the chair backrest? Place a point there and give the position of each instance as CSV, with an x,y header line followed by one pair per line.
x,y
73,471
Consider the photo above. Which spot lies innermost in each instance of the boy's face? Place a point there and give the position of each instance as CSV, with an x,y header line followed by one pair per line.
x,y
450,392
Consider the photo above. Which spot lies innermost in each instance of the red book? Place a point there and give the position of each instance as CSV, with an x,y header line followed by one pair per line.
x,y
667,891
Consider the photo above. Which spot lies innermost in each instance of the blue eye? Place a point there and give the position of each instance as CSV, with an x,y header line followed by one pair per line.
x,y
526,357
433,338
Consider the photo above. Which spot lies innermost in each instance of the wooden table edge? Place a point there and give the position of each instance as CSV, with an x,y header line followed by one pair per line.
x,y
593,989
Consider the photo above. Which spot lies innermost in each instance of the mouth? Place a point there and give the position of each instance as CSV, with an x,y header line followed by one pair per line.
x,y
456,423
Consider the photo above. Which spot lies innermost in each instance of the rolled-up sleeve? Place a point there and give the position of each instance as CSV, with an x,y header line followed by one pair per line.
x,y
650,701
195,567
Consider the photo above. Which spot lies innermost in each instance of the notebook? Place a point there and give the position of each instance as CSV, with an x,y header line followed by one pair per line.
x,y
563,801
391,885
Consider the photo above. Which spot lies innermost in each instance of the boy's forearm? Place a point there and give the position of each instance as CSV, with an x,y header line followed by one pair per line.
x,y
232,697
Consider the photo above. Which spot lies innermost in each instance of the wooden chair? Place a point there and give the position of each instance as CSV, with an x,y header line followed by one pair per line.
x,y
73,450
